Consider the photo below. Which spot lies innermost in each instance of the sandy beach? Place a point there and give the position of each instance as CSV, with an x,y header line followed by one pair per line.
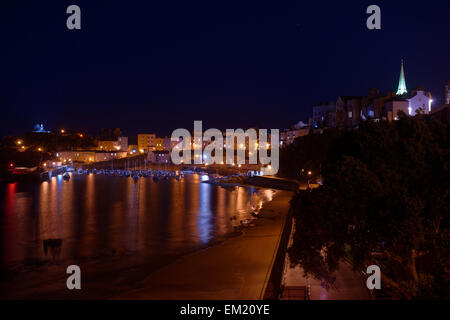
x,y
238,268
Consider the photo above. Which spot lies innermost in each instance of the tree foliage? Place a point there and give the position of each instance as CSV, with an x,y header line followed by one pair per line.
x,y
385,200
306,153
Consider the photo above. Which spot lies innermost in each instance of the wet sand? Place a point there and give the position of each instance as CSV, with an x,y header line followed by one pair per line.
x,y
238,268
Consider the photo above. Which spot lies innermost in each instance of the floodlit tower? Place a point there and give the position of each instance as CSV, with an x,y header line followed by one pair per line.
x,y
402,83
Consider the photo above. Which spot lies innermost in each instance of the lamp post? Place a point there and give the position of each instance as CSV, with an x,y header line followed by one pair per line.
x,y
309,177
308,174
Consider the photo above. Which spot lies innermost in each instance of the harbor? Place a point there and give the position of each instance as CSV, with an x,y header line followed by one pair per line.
x,y
115,227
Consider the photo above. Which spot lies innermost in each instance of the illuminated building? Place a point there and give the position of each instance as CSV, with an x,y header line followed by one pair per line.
x,y
88,156
394,105
107,156
122,143
159,144
133,148
107,145
159,156
147,142
168,144
348,111
83,156
39,128
419,102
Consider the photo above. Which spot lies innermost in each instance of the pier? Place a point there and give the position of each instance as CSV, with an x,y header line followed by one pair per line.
x,y
33,174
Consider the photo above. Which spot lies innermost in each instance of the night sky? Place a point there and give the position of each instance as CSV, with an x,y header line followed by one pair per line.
x,y
153,66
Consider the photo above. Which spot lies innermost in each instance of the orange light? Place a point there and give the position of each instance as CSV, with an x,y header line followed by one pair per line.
x,y
63,131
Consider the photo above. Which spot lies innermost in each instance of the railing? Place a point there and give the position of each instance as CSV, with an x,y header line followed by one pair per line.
x,y
274,289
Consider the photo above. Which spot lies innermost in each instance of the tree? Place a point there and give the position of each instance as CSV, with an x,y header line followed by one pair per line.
x,y
386,190
307,153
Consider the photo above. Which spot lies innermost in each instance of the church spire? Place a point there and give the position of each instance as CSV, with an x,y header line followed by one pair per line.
x,y
402,82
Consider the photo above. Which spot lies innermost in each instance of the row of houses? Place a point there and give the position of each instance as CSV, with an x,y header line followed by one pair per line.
x,y
344,112
348,111
151,142
87,156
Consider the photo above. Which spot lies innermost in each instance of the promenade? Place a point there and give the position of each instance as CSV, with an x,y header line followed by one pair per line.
x,y
349,284
238,268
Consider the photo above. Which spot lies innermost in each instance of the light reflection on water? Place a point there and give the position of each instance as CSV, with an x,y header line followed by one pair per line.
x,y
95,215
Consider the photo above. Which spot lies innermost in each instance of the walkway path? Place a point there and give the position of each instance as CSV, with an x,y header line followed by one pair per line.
x,y
349,284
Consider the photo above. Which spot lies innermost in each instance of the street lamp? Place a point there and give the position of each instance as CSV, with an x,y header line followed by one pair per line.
x,y
309,178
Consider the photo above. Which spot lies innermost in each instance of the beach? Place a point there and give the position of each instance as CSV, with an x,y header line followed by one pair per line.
x,y
238,268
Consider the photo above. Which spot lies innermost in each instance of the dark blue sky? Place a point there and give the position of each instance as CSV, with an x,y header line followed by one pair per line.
x,y
154,67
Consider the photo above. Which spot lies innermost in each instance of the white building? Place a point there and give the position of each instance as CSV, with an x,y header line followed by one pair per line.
x,y
420,102
394,105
